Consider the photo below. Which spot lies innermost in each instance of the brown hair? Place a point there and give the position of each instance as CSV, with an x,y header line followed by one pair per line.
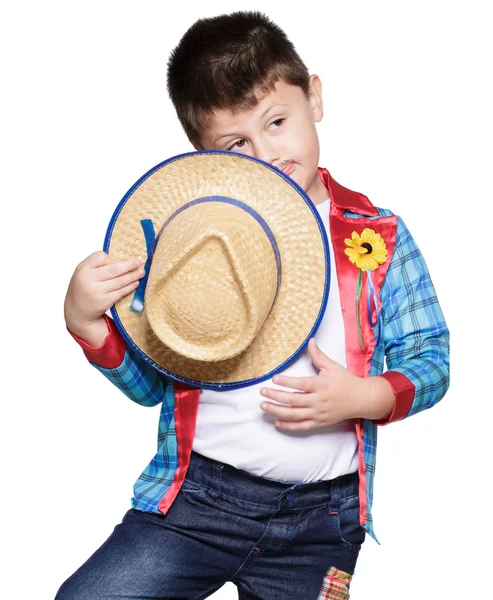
x,y
229,62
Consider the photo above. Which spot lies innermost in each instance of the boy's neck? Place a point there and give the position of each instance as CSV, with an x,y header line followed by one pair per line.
x,y
317,191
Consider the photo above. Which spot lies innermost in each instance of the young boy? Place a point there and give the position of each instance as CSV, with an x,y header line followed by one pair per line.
x,y
273,497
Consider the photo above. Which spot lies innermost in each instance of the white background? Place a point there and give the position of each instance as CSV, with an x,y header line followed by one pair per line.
x,y
85,113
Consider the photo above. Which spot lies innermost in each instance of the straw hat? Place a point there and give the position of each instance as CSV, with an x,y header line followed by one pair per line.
x,y
237,269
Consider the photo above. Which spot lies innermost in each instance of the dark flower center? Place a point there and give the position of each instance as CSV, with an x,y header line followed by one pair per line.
x,y
368,247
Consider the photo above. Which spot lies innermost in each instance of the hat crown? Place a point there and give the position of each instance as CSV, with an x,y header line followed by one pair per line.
x,y
213,280
293,228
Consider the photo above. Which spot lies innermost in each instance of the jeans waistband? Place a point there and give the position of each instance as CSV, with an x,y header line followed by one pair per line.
x,y
221,478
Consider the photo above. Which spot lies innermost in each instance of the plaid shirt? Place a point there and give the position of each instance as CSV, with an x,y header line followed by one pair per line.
x,y
414,340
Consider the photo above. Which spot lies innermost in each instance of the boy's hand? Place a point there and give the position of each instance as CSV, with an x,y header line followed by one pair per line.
x,y
97,284
332,396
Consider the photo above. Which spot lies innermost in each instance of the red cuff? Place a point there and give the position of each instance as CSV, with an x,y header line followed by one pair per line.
x,y
110,354
404,396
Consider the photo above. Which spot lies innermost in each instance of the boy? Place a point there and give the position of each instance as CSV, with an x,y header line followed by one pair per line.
x,y
227,497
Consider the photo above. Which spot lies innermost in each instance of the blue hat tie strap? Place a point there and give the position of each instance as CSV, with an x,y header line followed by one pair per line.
x,y
150,237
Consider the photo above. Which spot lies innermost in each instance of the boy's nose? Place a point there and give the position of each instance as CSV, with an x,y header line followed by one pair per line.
x,y
266,153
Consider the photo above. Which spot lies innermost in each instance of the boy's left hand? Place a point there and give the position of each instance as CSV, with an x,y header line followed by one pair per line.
x,y
335,394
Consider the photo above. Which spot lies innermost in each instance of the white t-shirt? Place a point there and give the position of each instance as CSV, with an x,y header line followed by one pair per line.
x,y
232,428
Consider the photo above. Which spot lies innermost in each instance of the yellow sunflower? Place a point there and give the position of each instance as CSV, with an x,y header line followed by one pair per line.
x,y
367,250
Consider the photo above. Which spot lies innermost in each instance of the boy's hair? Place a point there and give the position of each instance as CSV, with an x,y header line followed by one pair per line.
x,y
229,62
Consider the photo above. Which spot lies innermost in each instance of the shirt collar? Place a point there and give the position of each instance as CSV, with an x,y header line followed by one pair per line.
x,y
345,199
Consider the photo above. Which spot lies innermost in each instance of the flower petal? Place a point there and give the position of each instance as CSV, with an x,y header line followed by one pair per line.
x,y
373,264
353,256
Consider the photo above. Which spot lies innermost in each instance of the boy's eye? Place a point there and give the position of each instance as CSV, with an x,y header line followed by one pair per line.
x,y
277,123
238,144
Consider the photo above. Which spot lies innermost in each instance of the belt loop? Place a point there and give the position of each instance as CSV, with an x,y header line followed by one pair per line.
x,y
215,490
335,492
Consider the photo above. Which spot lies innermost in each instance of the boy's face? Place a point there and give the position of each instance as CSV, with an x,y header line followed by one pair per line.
x,y
280,130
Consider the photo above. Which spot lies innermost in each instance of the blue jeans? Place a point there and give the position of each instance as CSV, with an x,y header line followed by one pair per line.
x,y
272,539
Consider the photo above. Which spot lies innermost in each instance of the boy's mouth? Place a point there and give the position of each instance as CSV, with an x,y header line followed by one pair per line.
x,y
286,166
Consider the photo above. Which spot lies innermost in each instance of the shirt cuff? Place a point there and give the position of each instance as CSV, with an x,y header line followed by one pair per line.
x,y
404,396
110,354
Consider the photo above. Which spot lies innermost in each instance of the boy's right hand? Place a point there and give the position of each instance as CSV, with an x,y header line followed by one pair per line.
x,y
96,285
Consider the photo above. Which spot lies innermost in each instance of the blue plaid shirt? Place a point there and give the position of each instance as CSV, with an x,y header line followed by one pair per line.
x,y
414,340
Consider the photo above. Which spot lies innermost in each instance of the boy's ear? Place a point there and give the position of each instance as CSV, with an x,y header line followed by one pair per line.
x,y
315,97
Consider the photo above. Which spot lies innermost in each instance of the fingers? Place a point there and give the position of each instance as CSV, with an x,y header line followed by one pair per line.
x,y
123,281
291,398
96,259
104,267
286,412
306,384
116,269
116,295
297,425
317,357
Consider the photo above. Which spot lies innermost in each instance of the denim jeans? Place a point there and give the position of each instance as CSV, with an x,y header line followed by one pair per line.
x,y
272,539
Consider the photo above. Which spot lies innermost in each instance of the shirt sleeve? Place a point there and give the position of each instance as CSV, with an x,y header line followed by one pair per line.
x,y
125,368
110,354
415,334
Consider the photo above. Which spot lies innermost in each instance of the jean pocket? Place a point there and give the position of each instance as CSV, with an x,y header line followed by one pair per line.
x,y
351,533
335,585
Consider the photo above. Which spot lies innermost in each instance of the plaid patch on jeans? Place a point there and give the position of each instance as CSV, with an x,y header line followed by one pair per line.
x,y
335,585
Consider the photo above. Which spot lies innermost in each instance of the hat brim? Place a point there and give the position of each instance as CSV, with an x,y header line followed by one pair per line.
x,y
299,233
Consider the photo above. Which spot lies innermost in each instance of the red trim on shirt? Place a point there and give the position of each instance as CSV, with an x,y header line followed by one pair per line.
x,y
404,391
110,354
361,472
186,408
341,227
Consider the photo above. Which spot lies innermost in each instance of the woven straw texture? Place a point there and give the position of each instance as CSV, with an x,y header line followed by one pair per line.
x,y
230,278
218,257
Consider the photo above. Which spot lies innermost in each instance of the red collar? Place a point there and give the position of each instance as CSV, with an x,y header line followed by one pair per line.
x,y
345,199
